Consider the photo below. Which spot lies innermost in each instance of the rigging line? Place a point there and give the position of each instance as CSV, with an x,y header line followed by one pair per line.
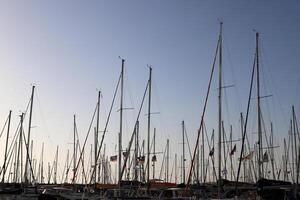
x,y
62,178
129,92
152,141
267,141
15,135
203,112
249,150
82,150
227,107
88,133
232,67
11,148
209,146
27,151
52,167
4,126
189,147
163,163
106,124
156,100
137,119
173,166
291,167
265,89
41,112
245,124
274,84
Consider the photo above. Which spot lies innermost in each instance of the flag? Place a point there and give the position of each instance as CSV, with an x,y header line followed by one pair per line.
x,y
211,152
265,157
154,158
141,160
249,156
233,150
125,153
113,158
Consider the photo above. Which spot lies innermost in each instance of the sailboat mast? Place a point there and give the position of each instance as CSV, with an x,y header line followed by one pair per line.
x,y
6,145
183,154
260,163
28,137
55,166
231,164
154,156
202,157
136,150
21,148
149,124
96,136
42,165
121,123
74,149
220,112
168,161
293,131
272,151
175,169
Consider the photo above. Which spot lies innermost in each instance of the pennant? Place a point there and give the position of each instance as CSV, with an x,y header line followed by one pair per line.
x,y
125,153
141,160
224,172
211,152
233,150
249,156
113,158
265,157
154,159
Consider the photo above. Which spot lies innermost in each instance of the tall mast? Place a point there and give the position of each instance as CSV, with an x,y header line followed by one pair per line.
x,y
294,132
21,148
136,150
242,131
167,159
67,167
149,124
15,162
6,145
28,137
183,154
74,148
224,149
143,168
220,112
202,156
49,173
231,165
31,160
96,136
291,143
175,168
55,166
42,165
121,123
104,167
198,163
260,153
154,154
285,161
272,152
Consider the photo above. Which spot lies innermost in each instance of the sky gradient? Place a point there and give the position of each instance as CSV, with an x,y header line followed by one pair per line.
x,y
70,49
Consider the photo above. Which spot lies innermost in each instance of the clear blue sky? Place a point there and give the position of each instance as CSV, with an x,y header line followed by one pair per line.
x,y
69,48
